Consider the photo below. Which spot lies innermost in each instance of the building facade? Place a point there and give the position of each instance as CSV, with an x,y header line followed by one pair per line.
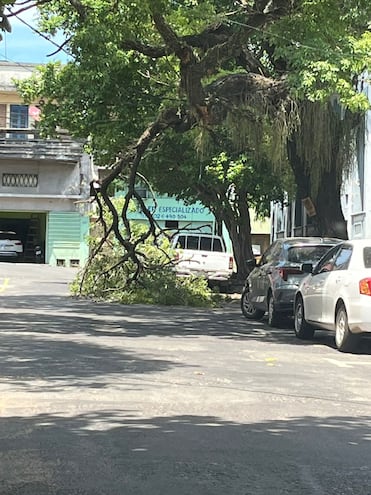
x,y
44,183
356,198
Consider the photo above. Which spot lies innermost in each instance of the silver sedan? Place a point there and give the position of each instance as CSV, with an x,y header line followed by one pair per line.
x,y
336,295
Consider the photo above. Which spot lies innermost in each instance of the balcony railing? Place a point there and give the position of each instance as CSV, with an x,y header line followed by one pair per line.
x,y
26,144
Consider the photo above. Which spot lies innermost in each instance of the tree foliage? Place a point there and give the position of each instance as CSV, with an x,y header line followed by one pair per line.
x,y
158,67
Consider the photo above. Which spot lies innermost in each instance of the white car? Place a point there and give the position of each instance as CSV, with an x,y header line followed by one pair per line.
x,y
336,295
10,245
202,254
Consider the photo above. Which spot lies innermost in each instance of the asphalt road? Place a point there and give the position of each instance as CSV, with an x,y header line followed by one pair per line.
x,y
103,399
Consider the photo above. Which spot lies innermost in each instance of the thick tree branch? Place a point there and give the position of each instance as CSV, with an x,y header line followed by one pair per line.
x,y
255,20
191,72
129,163
212,36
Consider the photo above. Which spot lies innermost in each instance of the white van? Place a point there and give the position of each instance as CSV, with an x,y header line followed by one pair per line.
x,y
202,254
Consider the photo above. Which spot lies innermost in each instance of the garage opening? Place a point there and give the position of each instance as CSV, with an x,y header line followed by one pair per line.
x,y
30,228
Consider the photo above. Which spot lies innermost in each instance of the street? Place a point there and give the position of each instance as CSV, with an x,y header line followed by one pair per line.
x,y
102,399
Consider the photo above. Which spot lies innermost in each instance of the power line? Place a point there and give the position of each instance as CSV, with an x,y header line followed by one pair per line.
x,y
39,33
20,64
294,43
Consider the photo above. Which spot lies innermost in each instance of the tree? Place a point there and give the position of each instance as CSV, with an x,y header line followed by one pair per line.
x,y
155,66
333,152
228,181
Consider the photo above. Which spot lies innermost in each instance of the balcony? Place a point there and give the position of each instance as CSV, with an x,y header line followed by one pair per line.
x,y
26,144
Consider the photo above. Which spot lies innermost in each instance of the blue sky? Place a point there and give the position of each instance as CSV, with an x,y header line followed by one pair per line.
x,y
24,45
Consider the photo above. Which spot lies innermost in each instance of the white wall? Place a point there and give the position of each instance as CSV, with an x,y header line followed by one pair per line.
x,y
356,197
37,204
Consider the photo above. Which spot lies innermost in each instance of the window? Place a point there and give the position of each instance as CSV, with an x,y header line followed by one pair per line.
x,y
326,264
18,116
218,246
8,236
18,119
3,109
205,244
343,258
142,192
181,242
192,242
367,257
306,254
267,256
172,224
273,253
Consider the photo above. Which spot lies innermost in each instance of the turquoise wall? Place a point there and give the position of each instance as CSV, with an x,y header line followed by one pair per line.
x,y
168,208
66,243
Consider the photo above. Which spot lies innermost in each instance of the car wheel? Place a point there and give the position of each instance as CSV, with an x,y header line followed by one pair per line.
x,y
302,328
274,317
345,340
248,309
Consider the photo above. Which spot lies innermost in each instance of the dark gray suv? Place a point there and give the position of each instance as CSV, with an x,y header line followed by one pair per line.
x,y
271,285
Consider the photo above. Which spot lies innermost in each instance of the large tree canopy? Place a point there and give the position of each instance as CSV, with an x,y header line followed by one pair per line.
x,y
140,70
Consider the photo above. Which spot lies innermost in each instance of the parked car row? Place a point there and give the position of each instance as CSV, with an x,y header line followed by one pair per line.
x,y
323,283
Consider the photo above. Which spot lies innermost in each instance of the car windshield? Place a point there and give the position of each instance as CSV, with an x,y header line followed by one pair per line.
x,y
306,254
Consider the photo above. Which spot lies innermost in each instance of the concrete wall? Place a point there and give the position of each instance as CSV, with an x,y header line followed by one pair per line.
x,y
53,178
10,71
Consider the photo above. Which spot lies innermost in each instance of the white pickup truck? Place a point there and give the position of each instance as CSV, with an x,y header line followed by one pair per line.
x,y
203,255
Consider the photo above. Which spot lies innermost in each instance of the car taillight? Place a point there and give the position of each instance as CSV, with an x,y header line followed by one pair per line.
x,y
177,256
365,286
230,263
285,272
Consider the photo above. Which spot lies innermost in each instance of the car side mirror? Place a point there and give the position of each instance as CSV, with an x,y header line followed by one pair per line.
x,y
307,267
251,263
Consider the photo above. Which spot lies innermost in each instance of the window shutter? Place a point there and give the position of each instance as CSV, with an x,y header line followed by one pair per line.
x,y
2,115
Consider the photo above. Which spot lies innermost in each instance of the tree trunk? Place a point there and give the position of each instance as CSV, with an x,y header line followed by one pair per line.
x,y
327,215
329,218
238,225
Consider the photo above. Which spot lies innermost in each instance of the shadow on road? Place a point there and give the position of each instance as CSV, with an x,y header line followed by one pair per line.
x,y
67,315
28,360
117,452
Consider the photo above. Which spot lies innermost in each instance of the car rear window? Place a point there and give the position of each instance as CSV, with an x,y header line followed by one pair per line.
x,y
205,244
367,257
8,236
181,242
192,242
306,254
217,245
